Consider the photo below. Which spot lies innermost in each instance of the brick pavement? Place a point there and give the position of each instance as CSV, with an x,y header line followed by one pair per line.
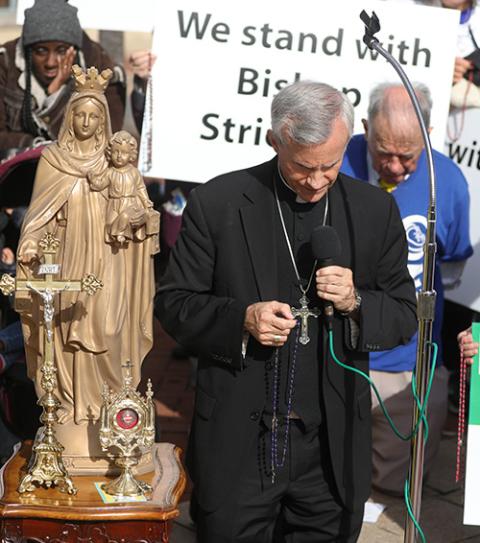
x,y
173,391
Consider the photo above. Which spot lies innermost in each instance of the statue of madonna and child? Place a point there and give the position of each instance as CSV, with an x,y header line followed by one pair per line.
x,y
88,194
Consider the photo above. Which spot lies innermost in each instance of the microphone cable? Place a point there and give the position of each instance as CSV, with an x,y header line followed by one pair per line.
x,y
422,419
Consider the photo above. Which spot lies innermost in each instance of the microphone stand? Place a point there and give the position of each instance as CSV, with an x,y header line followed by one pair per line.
x,y
426,296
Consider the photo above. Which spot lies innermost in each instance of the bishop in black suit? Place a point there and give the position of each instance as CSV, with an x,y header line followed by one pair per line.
x,y
281,433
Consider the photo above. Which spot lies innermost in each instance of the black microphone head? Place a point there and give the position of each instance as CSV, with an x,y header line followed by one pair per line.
x,y
325,243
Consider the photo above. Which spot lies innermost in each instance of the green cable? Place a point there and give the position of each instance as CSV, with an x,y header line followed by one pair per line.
x,y
421,419
422,408
406,495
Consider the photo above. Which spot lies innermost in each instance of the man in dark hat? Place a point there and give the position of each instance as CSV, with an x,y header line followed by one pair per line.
x,y
35,70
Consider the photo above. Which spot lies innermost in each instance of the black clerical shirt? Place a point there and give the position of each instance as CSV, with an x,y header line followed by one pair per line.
x,y
300,220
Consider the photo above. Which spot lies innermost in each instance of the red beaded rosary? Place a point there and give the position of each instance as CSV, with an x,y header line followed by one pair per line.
x,y
461,416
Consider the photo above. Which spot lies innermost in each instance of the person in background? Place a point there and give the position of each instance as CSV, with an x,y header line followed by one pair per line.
x,y
13,374
465,94
11,219
391,156
19,411
468,35
35,70
12,359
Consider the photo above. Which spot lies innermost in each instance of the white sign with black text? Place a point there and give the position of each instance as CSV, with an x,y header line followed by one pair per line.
x,y
463,146
220,64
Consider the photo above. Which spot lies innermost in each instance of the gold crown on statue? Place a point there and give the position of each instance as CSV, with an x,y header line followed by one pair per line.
x,y
91,80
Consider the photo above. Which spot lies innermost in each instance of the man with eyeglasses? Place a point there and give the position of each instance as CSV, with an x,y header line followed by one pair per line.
x,y
391,156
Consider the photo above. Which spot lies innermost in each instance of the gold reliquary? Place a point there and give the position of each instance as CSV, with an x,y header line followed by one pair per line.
x,y
128,428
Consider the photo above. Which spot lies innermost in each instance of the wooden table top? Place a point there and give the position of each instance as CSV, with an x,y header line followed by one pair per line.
x,y
168,482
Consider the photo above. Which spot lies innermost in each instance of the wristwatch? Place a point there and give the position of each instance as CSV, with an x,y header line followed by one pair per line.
x,y
358,302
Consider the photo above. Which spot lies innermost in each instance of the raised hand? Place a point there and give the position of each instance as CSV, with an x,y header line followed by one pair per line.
x,y
64,72
141,63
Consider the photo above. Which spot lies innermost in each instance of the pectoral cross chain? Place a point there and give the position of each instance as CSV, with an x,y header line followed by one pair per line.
x,y
303,313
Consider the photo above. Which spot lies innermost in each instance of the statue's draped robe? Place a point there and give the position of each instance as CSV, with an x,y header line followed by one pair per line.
x,y
94,335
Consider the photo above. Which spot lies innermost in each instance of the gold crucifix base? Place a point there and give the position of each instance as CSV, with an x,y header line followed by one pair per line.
x,y
46,466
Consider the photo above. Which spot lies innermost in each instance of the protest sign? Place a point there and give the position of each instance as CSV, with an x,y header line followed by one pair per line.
x,y
463,146
220,64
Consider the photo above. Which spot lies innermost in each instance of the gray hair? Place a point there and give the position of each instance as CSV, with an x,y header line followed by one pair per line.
x,y
380,102
305,112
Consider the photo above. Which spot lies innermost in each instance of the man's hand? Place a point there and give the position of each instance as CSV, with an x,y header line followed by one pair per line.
x,y
335,284
467,346
461,68
8,256
141,63
65,63
269,323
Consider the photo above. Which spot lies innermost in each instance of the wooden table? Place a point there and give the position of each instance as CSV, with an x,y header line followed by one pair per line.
x,y
50,516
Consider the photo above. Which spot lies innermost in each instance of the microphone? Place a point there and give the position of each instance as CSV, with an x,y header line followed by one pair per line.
x,y
326,247
372,26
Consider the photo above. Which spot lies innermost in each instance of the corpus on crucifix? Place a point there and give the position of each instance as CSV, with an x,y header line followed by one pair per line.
x,y
303,313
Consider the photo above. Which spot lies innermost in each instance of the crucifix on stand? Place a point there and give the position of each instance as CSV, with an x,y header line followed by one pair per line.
x,y
46,466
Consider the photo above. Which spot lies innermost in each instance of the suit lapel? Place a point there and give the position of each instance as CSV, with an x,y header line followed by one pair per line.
x,y
258,221
260,228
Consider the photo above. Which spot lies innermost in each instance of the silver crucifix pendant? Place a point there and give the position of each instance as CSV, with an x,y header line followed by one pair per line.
x,y
303,312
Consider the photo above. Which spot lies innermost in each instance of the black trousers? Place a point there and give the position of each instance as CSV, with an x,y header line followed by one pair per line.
x,y
301,506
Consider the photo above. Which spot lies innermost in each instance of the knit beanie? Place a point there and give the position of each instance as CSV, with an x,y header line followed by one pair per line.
x,y
52,20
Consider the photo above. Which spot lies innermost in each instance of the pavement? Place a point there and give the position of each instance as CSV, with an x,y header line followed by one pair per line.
x,y
442,501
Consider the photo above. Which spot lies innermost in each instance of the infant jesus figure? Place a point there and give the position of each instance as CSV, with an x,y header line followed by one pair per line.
x,y
130,213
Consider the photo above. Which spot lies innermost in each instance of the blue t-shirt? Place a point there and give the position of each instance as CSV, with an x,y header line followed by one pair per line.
x,y
452,232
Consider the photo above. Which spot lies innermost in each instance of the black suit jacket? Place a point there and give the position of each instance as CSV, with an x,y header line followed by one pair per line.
x,y
225,260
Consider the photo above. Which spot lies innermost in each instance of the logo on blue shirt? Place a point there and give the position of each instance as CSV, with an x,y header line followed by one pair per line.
x,y
415,230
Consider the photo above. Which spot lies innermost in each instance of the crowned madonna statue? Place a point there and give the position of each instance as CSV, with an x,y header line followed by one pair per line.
x,y
94,335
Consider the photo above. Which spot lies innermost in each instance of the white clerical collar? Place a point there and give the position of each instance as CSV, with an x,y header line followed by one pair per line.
x,y
298,200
